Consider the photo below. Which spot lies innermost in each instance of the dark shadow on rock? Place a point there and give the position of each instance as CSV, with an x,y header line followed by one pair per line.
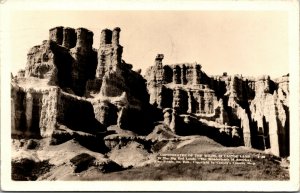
x,y
32,144
82,162
93,142
189,125
142,121
28,170
110,167
78,115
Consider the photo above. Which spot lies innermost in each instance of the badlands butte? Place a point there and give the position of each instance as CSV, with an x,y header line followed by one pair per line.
x,y
78,113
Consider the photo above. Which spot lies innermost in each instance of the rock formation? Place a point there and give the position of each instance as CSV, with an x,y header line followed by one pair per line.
x,y
254,112
69,88
67,82
67,59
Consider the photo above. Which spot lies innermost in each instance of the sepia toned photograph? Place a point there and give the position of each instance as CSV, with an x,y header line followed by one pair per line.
x,y
159,95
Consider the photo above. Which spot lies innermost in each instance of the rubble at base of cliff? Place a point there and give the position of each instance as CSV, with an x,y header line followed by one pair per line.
x,y
76,110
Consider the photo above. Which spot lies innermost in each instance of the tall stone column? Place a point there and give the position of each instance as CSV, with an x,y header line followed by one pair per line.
x,y
28,111
159,68
206,106
56,35
122,119
196,74
211,108
117,56
158,60
273,132
197,105
105,37
159,96
84,39
173,122
176,75
176,99
115,36
245,125
167,116
117,49
183,75
104,53
190,108
200,103
207,102
69,37
198,67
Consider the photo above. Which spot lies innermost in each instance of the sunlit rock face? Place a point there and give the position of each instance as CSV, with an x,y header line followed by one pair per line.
x,y
253,111
68,82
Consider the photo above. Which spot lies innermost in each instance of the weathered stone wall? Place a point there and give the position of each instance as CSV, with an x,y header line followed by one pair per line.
x,y
270,112
257,106
36,112
33,111
184,80
18,120
49,111
186,73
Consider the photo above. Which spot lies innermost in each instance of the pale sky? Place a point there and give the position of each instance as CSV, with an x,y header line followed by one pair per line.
x,y
236,42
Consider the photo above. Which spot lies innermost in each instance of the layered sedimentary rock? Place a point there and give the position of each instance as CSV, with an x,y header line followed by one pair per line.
x,y
38,111
253,110
70,87
33,110
67,82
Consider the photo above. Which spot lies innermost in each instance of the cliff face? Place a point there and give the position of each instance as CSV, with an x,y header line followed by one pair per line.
x,y
67,82
33,110
254,109
270,110
70,86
